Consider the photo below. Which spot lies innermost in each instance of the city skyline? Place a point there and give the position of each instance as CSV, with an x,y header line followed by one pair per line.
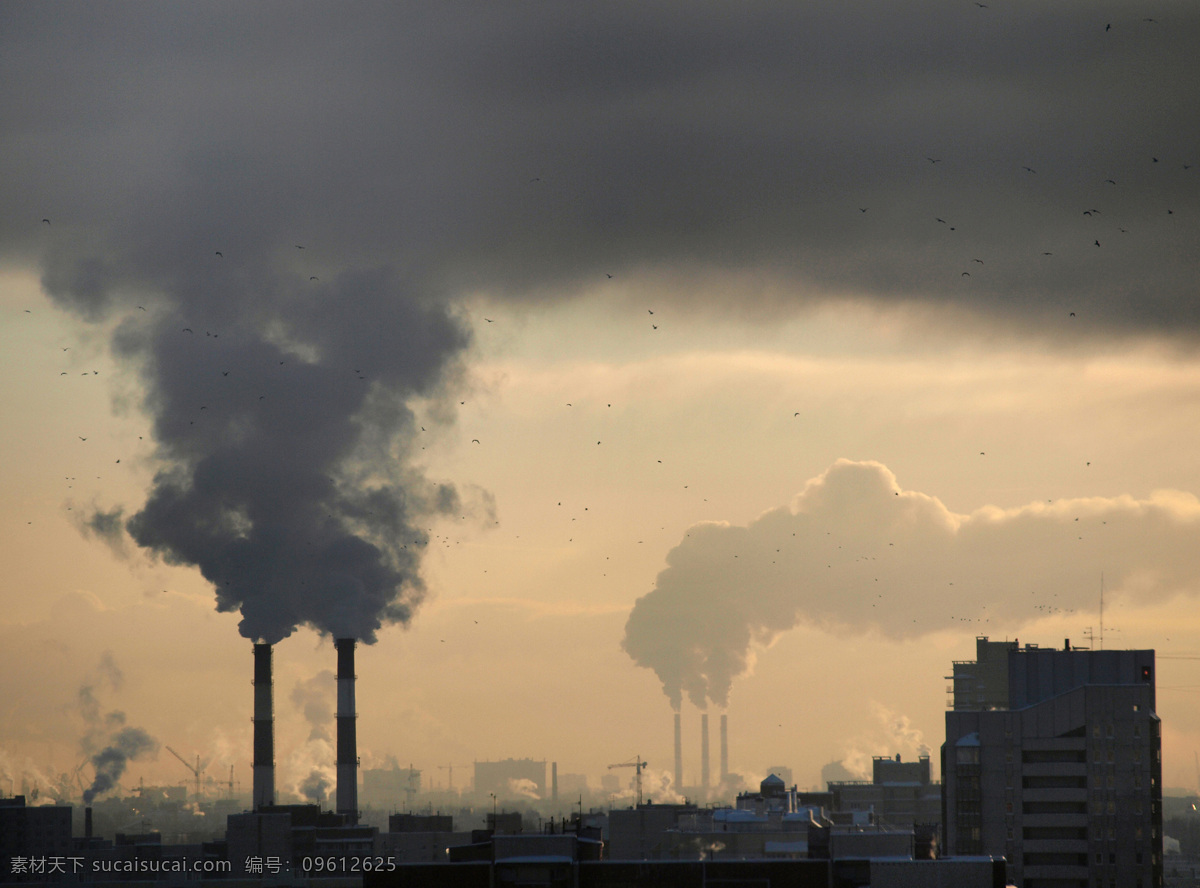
x,y
591,364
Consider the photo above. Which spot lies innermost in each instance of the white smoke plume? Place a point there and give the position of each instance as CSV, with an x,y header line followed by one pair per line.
x,y
854,552
314,697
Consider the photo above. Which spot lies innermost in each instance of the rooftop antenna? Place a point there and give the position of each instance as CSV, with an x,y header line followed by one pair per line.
x,y
1101,610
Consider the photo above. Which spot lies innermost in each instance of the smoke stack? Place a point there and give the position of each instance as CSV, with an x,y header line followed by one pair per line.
x,y
554,781
264,729
704,750
678,755
724,747
347,742
87,822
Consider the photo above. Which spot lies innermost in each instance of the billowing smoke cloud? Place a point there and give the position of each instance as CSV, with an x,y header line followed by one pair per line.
x,y
108,741
285,438
895,734
315,787
521,787
314,697
109,763
856,553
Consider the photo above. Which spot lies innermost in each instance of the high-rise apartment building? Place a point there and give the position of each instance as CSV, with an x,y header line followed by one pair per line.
x,y
1053,760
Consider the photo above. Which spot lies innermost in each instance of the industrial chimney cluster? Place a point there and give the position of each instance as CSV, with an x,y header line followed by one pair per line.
x,y
347,738
264,730
705,781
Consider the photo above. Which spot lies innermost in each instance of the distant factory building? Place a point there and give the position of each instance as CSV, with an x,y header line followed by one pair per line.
x,y
900,794
392,787
1054,762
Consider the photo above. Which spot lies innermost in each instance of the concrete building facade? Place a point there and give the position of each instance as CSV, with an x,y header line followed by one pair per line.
x,y
1063,777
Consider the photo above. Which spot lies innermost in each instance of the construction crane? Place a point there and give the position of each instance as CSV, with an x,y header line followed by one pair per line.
x,y
197,769
639,766
450,768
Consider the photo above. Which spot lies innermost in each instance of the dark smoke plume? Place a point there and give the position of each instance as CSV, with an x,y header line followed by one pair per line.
x,y
108,742
283,427
109,763
285,438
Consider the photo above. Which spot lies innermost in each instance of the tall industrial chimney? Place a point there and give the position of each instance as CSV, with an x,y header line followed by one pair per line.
x,y
704,751
724,748
264,729
678,755
347,743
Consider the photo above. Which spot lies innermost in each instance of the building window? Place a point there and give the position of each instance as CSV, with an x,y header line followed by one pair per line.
x,y
1109,731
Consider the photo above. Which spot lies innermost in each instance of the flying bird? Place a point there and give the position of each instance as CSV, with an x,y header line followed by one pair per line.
x,y
1029,169
47,221
186,330
219,253
474,440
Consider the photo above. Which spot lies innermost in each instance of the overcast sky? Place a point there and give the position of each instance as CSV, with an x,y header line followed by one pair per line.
x,y
587,362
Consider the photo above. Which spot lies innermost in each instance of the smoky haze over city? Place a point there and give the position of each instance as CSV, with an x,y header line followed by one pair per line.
x,y
587,366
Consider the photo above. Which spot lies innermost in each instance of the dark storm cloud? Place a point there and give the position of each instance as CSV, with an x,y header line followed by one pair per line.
x,y
855,553
527,149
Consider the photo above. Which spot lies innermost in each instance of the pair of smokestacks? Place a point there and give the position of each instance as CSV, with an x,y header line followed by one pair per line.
x,y
347,741
704,776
